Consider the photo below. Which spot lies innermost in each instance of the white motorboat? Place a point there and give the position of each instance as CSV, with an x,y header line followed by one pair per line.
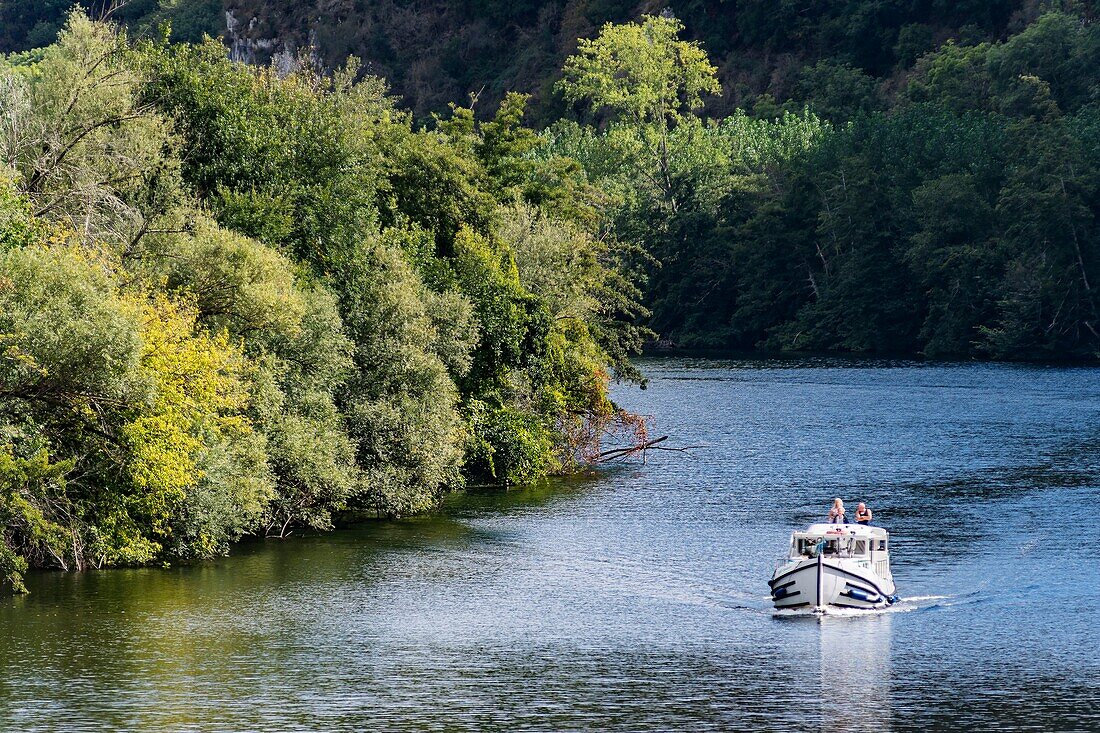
x,y
835,565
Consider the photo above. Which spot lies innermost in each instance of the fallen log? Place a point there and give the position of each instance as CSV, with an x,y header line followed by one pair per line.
x,y
633,448
615,453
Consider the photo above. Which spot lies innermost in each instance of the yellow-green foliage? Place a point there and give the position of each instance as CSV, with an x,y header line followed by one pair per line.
x,y
641,70
69,341
236,283
198,395
17,227
87,151
146,402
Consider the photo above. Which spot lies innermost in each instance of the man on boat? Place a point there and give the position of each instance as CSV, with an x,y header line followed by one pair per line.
x,y
863,514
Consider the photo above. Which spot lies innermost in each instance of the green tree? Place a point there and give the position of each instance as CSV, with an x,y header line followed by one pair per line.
x,y
401,405
955,256
1048,208
838,92
30,490
646,78
640,71
87,150
300,357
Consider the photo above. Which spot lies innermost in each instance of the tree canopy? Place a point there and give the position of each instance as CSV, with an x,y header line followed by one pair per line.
x,y
235,301
241,299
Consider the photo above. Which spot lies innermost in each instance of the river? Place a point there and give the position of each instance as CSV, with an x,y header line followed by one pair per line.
x,y
636,599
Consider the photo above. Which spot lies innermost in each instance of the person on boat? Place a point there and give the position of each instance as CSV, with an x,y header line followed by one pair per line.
x,y
836,514
863,514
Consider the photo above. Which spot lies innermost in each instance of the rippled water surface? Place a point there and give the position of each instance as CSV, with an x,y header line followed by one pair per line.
x,y
637,599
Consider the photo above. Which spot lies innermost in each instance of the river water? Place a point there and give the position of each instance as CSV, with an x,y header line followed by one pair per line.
x,y
637,599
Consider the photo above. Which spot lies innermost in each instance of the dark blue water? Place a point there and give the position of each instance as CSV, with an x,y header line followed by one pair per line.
x,y
637,599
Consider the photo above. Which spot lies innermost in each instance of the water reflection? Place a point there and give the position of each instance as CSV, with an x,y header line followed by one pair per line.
x,y
856,671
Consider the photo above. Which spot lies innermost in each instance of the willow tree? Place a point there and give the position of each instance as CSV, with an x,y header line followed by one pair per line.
x,y
86,150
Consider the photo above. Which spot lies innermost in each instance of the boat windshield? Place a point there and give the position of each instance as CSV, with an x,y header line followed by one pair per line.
x,y
811,546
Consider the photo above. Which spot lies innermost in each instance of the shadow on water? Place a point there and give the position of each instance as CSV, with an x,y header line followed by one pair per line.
x,y
537,495
315,556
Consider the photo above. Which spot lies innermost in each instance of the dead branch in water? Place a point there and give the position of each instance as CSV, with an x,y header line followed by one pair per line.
x,y
617,453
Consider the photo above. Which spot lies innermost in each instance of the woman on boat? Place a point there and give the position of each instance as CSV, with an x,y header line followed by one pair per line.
x,y
863,514
836,514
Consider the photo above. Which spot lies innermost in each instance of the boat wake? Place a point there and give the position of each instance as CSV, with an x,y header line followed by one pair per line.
x,y
903,605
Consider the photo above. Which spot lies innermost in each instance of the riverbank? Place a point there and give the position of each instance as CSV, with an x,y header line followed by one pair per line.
x,y
671,351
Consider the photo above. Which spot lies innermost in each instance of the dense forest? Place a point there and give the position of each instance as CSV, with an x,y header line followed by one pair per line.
x,y
960,221
238,302
246,299
434,52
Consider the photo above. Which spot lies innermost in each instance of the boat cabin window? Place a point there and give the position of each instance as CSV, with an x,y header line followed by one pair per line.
x,y
845,546
841,546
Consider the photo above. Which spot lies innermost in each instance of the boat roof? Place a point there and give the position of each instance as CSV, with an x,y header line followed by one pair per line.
x,y
844,530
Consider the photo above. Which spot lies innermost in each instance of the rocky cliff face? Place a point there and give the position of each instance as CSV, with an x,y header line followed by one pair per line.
x,y
432,52
253,41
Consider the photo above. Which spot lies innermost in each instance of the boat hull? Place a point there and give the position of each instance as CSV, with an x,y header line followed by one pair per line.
x,y
819,583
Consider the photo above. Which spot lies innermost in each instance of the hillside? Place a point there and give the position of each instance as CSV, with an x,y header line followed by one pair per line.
x,y
906,177
243,299
435,52
895,177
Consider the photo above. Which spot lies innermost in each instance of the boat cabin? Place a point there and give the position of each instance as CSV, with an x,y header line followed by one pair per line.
x,y
866,545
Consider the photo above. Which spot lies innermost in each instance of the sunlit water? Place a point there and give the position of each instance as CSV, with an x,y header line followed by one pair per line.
x,y
637,600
